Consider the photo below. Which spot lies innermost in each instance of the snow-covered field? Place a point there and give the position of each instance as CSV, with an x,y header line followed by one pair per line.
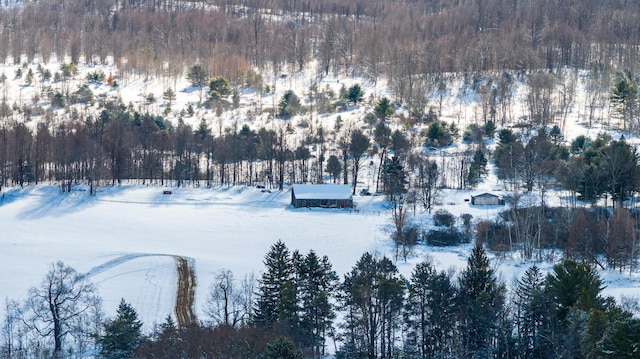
x,y
125,238
229,228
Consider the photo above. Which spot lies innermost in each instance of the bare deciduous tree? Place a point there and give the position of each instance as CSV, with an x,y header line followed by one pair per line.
x,y
227,302
426,180
358,145
63,300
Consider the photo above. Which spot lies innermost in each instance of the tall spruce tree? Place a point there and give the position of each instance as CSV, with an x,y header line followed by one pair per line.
x,y
122,334
355,94
574,291
624,98
382,137
358,301
620,169
572,284
532,315
621,340
372,298
358,145
315,291
276,290
480,304
430,313
391,289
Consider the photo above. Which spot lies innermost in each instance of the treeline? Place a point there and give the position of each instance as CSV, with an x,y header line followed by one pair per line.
x,y
401,40
598,236
299,306
121,144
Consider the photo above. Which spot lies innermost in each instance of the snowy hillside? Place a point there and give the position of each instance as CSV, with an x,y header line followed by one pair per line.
x,y
461,101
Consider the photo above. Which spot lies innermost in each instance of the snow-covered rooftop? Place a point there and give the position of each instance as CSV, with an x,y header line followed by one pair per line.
x,y
485,193
322,191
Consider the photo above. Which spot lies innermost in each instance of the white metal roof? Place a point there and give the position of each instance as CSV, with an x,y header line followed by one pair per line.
x,y
485,194
322,191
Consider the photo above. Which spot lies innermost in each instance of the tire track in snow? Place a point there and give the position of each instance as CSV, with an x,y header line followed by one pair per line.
x,y
186,286
185,295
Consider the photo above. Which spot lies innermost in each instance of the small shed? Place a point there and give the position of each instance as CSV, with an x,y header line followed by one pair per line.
x,y
487,199
321,195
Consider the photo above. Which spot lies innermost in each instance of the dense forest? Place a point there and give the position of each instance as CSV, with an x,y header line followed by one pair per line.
x,y
399,39
292,311
412,43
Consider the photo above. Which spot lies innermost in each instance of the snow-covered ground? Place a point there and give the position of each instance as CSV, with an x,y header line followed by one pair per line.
x,y
230,228
125,237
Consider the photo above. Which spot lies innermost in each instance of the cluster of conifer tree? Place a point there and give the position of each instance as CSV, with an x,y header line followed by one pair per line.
x,y
300,308
375,312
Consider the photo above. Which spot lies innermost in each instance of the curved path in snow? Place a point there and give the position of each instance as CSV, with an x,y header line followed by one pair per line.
x,y
186,286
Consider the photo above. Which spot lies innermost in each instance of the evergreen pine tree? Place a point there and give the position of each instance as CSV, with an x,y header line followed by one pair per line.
x,y
571,284
166,340
573,290
316,282
276,291
625,98
478,167
282,348
360,302
481,301
297,262
372,298
391,290
430,312
383,109
355,94
621,340
121,335
532,315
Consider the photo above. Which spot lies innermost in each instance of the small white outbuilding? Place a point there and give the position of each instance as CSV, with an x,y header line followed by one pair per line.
x,y
487,199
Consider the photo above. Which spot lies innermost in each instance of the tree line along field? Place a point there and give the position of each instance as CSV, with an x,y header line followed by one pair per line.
x,y
114,141
299,307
